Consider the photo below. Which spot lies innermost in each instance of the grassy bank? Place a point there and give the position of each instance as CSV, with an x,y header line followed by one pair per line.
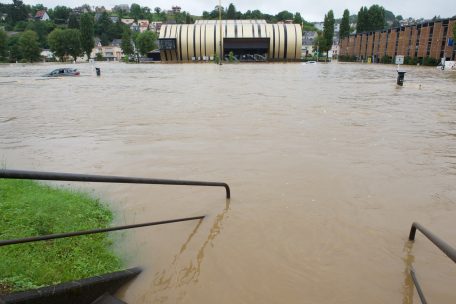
x,y
28,209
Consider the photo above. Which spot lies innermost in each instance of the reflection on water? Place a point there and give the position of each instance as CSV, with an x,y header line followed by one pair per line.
x,y
190,272
329,164
408,286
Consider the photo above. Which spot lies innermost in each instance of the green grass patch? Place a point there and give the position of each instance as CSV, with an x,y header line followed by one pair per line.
x,y
28,209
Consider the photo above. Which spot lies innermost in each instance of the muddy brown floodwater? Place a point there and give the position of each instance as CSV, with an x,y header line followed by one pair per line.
x,y
329,166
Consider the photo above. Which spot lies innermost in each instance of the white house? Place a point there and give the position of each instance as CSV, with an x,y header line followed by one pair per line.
x,y
42,15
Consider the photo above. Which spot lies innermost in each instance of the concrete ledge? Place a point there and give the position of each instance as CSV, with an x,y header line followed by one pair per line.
x,y
83,291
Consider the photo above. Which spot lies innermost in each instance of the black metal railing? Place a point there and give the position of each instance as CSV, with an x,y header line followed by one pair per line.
x,y
54,176
93,231
442,245
71,177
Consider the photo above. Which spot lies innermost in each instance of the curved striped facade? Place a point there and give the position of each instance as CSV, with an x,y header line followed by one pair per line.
x,y
201,41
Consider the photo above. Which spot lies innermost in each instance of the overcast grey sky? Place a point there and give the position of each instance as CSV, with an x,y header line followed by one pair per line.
x,y
311,10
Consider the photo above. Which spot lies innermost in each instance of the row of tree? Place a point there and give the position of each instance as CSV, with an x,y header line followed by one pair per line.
x,y
371,19
232,13
74,42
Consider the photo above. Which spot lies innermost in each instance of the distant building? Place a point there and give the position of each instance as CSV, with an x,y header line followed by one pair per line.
x,y
3,16
155,26
428,39
98,16
127,21
114,19
318,25
176,9
143,25
42,15
134,27
308,42
109,53
47,54
249,40
116,42
81,9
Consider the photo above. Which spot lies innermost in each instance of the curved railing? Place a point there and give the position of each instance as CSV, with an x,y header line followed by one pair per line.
x,y
442,245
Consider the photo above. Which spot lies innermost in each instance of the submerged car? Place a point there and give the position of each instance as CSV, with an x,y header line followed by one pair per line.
x,y
63,72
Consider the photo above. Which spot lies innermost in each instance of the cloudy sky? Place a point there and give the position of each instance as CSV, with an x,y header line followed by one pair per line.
x,y
311,10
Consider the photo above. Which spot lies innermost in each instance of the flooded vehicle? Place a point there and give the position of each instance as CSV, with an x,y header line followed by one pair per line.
x,y
63,72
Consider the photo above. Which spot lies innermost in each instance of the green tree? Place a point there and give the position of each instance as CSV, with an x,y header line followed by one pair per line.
x,y
13,48
328,31
17,12
103,23
20,26
345,25
319,44
126,43
145,42
73,43
3,45
284,15
87,30
42,29
298,19
135,11
231,12
28,46
56,41
376,18
65,42
362,20
73,21
60,14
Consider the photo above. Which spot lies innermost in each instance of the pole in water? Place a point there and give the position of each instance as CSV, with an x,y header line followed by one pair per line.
x,y
98,70
400,77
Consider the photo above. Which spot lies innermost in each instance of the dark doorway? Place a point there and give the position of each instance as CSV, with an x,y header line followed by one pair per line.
x,y
246,49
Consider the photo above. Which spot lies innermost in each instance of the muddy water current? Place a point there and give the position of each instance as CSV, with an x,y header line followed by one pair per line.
x,y
329,165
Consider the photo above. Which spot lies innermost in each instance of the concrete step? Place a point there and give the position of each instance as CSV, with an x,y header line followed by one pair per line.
x,y
84,291
108,299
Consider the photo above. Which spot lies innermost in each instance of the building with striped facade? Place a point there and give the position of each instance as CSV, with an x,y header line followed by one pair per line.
x,y
252,40
432,39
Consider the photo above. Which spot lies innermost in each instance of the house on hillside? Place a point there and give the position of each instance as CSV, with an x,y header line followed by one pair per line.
x,y
155,26
112,52
143,25
116,42
127,21
308,41
42,16
134,27
114,19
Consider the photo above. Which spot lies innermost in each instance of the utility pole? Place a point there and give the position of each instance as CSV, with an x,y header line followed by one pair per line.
x,y
220,24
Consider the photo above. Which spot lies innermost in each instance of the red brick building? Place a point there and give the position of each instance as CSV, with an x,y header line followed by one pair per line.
x,y
428,39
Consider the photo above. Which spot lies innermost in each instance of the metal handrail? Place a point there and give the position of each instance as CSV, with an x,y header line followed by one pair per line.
x,y
55,176
442,245
93,231
418,287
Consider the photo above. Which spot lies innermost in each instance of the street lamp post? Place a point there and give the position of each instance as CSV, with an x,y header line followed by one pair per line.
x,y
220,26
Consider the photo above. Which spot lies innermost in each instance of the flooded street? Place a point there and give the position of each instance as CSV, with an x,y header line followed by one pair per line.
x,y
328,164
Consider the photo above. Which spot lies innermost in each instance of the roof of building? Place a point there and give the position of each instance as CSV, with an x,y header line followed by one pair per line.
x,y
116,42
40,14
